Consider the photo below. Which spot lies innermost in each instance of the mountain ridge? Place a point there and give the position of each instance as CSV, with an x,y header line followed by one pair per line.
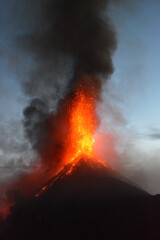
x,y
89,202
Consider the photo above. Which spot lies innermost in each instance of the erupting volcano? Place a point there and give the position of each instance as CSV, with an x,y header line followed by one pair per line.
x,y
80,128
69,192
82,125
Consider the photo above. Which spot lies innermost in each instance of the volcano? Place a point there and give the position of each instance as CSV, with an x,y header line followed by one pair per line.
x,y
85,200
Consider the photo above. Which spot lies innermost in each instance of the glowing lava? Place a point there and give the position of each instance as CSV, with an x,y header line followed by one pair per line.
x,y
82,124
79,142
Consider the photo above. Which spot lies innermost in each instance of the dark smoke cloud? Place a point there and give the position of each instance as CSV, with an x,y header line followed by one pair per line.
x,y
67,41
59,44
46,132
76,29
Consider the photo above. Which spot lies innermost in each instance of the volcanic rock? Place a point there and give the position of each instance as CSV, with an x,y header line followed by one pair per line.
x,y
85,200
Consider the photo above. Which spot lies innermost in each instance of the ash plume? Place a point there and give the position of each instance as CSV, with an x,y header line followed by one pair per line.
x,y
76,30
57,46
72,35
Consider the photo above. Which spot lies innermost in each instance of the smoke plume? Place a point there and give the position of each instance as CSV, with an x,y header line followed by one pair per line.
x,y
66,34
61,46
77,30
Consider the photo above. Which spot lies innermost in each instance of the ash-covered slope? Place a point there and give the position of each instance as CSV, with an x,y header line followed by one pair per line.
x,y
86,200
90,177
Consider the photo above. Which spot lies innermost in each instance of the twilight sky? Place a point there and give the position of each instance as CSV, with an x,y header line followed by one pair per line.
x,y
134,86
137,68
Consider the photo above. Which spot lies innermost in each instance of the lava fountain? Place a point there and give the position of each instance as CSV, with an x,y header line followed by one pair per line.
x,y
83,122
79,143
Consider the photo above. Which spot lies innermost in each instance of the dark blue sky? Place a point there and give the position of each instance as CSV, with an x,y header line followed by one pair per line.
x,y
137,68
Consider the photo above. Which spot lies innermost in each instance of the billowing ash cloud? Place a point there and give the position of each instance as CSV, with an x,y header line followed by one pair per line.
x,y
69,42
77,30
59,45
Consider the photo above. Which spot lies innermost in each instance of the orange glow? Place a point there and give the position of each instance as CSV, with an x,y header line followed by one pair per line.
x,y
79,140
82,124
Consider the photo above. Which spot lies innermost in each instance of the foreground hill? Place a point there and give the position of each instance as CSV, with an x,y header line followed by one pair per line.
x,y
86,200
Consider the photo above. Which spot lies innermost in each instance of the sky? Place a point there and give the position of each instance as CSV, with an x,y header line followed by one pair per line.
x,y
137,70
134,84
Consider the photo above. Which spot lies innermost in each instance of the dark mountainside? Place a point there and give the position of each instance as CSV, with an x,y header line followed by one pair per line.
x,y
85,201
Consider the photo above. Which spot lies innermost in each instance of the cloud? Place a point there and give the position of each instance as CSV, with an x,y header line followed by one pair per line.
x,y
152,133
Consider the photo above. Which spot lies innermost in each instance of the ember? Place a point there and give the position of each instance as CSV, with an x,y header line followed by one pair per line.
x,y
82,124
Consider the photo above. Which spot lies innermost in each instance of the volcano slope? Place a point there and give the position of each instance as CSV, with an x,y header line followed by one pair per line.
x,y
86,200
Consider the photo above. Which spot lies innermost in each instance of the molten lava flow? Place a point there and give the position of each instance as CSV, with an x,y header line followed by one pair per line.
x,y
82,124
79,142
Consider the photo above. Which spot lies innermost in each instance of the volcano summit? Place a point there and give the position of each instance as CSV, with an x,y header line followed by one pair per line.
x,y
85,200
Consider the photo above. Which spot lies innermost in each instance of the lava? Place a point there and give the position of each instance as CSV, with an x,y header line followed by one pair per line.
x,y
80,131
82,126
